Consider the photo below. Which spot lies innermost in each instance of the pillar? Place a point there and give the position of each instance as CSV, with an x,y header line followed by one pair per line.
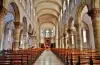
x,y
60,41
95,16
64,35
70,37
25,41
16,36
79,36
1,24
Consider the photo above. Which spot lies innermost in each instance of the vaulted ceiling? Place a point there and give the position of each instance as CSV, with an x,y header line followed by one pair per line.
x,y
48,10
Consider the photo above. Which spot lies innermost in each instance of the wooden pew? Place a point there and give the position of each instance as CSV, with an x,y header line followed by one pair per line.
x,y
20,57
84,56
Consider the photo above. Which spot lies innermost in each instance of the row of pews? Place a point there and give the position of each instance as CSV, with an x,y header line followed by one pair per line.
x,y
20,57
77,57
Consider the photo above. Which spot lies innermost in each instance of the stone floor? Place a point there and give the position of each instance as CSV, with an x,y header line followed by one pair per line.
x,y
48,58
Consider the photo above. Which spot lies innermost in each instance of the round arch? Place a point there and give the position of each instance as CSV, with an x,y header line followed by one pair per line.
x,y
24,23
70,21
16,12
71,25
12,15
81,10
85,35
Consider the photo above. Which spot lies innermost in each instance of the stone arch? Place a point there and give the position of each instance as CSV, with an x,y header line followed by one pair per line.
x,y
86,36
16,12
70,22
3,12
25,23
71,25
71,33
9,26
23,34
81,10
23,41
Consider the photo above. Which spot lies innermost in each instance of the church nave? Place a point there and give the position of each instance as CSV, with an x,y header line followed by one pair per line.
x,y
70,29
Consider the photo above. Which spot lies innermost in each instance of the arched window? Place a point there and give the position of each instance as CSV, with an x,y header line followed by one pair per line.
x,y
52,31
64,6
42,33
47,33
72,39
84,36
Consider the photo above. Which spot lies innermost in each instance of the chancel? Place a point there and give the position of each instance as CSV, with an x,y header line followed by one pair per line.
x,y
49,32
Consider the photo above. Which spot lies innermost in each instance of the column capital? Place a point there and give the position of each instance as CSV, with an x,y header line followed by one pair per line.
x,y
3,11
17,24
95,12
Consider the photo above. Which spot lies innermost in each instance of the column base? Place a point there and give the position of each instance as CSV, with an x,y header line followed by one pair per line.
x,y
15,46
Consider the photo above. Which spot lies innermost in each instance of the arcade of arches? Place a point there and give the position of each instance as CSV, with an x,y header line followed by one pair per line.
x,y
50,24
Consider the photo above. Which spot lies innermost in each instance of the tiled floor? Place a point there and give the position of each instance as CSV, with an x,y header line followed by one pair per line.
x,y
48,58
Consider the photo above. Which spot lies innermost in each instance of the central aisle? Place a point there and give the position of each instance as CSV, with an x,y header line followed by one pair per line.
x,y
48,58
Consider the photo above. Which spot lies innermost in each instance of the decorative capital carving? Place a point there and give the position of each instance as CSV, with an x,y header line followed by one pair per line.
x,y
94,12
17,24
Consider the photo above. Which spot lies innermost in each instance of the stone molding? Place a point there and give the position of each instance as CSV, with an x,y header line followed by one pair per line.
x,y
17,24
94,12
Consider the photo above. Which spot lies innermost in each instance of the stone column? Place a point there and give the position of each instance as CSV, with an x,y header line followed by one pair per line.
x,y
70,37
25,41
1,24
60,41
64,35
95,16
16,36
79,36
